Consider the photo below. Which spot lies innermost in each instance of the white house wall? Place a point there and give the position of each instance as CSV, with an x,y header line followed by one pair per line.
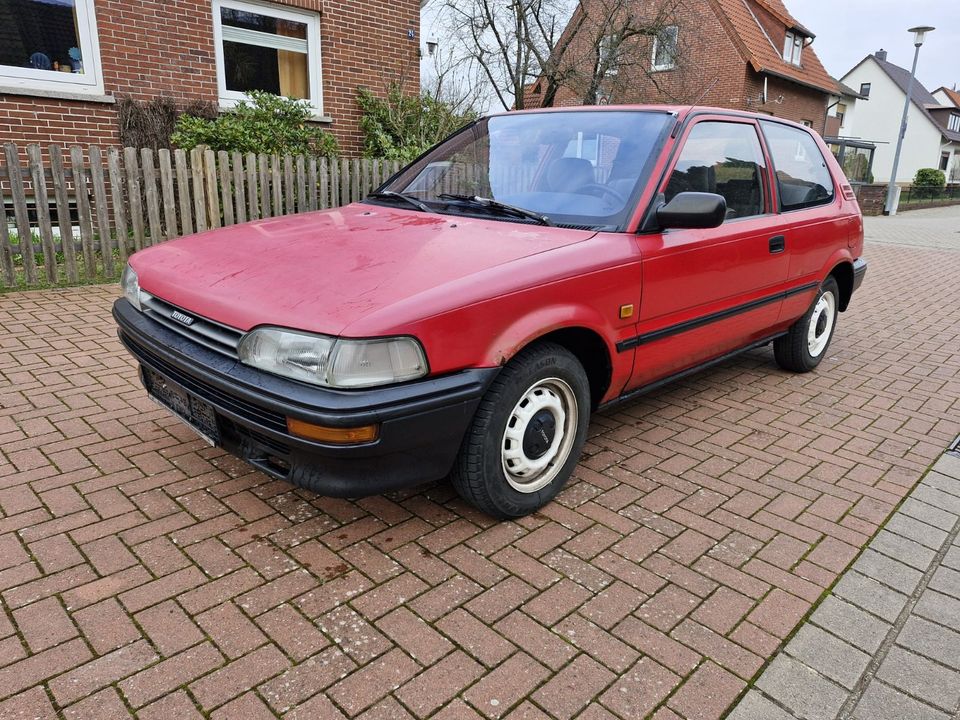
x,y
943,98
877,120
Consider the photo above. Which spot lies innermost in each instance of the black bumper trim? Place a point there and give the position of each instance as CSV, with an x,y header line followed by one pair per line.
x,y
421,423
859,271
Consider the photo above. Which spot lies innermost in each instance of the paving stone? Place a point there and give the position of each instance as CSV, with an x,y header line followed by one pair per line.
x,y
870,595
681,496
939,608
938,518
755,706
946,581
921,678
916,530
948,465
938,498
952,558
888,571
942,482
903,549
882,702
828,655
801,690
850,623
931,640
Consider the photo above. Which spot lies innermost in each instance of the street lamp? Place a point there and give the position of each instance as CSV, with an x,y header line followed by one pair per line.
x,y
919,33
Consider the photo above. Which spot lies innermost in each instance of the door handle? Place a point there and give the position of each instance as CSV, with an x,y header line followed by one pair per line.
x,y
778,243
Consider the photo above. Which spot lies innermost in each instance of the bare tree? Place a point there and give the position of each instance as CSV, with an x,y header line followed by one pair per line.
x,y
595,50
449,78
618,44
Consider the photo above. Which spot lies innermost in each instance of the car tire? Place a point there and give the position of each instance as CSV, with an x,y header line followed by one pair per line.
x,y
527,434
806,343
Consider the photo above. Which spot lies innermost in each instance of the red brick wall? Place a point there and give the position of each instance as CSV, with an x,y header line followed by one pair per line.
x,y
799,103
707,57
151,48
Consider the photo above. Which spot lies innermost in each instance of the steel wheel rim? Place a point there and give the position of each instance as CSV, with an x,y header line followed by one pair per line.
x,y
821,324
551,396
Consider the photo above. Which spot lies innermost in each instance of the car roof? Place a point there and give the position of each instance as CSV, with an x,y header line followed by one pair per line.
x,y
680,111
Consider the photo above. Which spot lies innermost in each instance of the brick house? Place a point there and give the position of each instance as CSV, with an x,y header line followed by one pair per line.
x,y
742,54
64,63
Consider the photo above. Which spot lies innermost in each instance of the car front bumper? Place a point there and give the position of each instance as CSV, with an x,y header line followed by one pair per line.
x,y
421,423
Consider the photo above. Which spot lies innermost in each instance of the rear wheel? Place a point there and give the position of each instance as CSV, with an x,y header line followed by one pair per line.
x,y
527,434
806,343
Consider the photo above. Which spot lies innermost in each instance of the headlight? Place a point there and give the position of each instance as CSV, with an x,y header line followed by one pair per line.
x,y
333,362
130,284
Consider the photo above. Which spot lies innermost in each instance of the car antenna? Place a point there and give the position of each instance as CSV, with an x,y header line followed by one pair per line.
x,y
696,102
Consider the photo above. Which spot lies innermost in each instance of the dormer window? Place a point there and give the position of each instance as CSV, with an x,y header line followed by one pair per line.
x,y
792,47
954,123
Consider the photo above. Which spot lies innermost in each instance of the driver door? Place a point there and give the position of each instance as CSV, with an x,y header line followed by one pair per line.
x,y
708,292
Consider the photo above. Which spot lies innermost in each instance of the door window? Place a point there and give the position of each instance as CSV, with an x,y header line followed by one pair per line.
x,y
802,174
723,158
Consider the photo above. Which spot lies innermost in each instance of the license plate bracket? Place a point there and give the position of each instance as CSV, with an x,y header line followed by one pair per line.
x,y
198,414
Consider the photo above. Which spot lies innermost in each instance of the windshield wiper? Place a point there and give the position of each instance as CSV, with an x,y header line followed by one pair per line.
x,y
492,204
391,194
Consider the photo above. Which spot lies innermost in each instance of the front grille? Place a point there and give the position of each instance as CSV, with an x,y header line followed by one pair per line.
x,y
220,399
212,335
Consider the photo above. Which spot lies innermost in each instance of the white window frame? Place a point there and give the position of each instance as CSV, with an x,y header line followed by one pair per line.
x,y
668,30
842,114
793,47
606,50
954,122
230,98
89,82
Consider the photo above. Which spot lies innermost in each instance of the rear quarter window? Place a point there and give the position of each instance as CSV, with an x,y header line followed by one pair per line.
x,y
803,179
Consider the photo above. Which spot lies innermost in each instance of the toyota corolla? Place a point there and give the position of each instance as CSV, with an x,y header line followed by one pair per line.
x,y
466,318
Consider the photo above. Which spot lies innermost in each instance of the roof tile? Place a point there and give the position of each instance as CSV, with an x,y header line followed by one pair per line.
x,y
760,51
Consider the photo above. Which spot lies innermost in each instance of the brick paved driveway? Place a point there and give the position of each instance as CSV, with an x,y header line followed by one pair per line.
x,y
144,573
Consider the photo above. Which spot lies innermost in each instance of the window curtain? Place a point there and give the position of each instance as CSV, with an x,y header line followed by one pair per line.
x,y
294,74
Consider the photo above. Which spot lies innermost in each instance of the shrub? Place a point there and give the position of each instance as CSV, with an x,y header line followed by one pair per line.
x,y
151,123
930,177
265,124
401,126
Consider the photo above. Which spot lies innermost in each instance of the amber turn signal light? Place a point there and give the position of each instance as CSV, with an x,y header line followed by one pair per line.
x,y
333,435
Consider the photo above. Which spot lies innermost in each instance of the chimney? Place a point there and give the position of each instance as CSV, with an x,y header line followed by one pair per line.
x,y
881,54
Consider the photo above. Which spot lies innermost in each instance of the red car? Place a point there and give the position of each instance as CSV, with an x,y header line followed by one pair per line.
x,y
465,319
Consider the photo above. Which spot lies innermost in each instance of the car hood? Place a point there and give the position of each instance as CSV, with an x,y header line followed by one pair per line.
x,y
324,271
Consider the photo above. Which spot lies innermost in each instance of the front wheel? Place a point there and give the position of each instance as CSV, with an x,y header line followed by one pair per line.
x,y
806,343
527,434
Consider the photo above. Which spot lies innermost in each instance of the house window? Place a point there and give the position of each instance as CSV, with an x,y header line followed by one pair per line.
x,y
607,55
49,45
262,47
865,89
944,161
954,123
665,48
807,123
792,47
841,112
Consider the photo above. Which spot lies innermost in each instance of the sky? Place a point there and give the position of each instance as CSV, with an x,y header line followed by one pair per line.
x,y
849,30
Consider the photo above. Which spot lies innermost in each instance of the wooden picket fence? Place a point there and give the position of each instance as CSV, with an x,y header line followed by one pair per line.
x,y
70,216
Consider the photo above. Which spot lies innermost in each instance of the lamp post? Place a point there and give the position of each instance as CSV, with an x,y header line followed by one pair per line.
x,y
918,36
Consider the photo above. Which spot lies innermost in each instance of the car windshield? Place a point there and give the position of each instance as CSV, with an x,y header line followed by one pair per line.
x,y
576,168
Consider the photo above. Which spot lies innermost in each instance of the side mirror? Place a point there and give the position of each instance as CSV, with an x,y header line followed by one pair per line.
x,y
693,210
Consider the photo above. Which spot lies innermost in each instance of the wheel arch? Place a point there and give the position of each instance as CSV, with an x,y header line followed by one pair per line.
x,y
591,352
842,272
